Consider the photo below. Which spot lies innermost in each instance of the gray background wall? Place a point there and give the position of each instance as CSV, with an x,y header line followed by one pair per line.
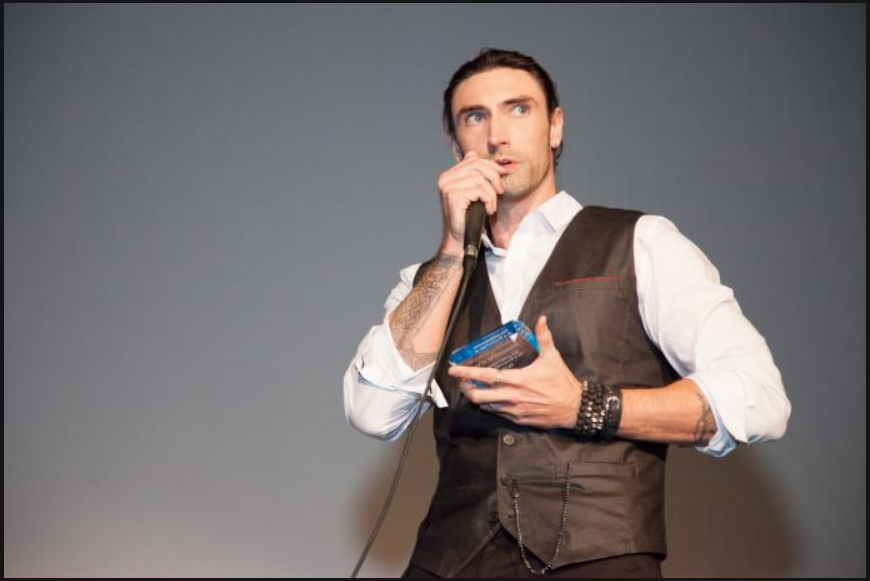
x,y
206,206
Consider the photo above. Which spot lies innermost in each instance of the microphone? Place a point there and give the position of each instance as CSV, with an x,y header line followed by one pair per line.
x,y
474,216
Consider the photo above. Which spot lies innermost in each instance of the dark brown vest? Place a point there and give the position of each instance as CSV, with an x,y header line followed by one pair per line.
x,y
587,290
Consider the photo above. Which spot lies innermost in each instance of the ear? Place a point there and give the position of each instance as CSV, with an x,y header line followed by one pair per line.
x,y
557,121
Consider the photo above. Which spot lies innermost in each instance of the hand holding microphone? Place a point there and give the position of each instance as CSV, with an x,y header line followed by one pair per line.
x,y
467,188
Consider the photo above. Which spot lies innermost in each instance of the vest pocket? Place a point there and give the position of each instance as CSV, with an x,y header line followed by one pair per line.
x,y
556,472
603,282
598,506
587,320
598,468
580,287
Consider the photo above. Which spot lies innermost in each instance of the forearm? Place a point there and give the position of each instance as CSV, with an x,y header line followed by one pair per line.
x,y
419,322
678,413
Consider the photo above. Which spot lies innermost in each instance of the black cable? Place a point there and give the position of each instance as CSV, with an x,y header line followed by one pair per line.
x,y
468,264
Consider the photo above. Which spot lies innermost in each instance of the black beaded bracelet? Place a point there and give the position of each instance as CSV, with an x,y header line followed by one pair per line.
x,y
600,411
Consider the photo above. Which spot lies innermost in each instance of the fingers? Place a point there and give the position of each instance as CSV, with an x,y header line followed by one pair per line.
x,y
485,374
489,170
490,175
470,180
473,160
500,396
487,167
480,188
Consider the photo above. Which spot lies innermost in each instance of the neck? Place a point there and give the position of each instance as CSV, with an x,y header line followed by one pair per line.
x,y
511,212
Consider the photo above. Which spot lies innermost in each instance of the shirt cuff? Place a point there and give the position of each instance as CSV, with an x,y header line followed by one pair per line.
x,y
382,365
722,443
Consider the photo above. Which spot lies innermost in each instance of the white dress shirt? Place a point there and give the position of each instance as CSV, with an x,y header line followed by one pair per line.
x,y
693,319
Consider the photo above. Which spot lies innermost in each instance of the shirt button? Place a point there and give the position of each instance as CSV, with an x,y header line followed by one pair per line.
x,y
492,517
508,439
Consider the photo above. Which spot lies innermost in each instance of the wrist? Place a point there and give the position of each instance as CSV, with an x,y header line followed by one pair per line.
x,y
573,408
451,248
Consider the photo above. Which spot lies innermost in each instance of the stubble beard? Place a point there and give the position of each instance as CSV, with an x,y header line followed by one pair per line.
x,y
525,180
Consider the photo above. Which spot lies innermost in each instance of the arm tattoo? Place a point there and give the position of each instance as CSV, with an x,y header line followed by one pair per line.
x,y
408,318
706,426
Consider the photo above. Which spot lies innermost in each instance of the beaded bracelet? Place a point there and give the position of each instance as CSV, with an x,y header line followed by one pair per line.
x,y
600,411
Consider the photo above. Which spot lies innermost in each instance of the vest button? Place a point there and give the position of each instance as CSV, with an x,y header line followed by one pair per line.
x,y
508,439
492,517
505,479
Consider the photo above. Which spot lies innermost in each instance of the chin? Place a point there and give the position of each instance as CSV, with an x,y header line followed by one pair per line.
x,y
514,194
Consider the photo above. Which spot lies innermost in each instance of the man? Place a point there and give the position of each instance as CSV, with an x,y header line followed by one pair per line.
x,y
556,468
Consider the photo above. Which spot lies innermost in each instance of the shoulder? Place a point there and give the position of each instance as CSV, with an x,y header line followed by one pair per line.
x,y
658,240
609,215
646,223
651,225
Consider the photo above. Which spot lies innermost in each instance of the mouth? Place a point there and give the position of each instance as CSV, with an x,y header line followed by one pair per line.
x,y
508,163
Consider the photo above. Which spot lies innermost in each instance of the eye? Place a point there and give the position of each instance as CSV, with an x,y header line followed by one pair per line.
x,y
523,105
470,116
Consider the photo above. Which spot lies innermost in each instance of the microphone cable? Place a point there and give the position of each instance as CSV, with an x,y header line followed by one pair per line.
x,y
469,262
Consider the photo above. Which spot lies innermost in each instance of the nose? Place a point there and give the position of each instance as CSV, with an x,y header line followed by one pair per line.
x,y
498,135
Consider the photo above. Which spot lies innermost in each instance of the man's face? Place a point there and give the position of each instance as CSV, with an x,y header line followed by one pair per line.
x,y
503,113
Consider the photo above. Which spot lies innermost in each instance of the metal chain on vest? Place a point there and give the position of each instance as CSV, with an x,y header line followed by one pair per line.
x,y
548,566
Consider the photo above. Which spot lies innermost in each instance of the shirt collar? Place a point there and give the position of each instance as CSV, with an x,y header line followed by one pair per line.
x,y
555,213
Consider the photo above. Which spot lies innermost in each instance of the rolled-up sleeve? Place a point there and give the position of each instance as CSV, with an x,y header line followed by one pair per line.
x,y
698,325
381,391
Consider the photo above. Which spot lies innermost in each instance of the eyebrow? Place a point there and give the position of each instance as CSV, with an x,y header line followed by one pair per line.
x,y
511,101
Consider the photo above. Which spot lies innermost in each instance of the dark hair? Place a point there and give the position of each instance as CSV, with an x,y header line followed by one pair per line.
x,y
492,58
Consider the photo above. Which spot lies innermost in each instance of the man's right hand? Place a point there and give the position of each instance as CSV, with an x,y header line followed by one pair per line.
x,y
472,179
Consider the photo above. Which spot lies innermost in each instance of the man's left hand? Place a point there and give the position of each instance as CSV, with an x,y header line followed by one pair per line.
x,y
544,394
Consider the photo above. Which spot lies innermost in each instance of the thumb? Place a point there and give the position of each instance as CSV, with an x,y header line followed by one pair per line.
x,y
542,332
